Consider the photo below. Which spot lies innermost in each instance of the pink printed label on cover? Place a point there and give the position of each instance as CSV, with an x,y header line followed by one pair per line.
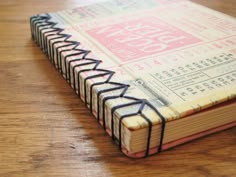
x,y
138,38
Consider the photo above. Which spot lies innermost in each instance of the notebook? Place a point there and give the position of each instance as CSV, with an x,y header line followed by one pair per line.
x,y
154,73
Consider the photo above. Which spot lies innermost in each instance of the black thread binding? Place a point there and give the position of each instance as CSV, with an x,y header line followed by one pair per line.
x,y
42,29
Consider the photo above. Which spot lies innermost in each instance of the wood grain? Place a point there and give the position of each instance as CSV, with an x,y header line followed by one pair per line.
x,y
45,130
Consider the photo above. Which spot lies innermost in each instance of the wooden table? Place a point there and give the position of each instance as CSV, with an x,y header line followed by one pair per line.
x,y
45,130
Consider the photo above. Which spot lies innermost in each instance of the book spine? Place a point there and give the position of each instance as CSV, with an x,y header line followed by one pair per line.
x,y
47,35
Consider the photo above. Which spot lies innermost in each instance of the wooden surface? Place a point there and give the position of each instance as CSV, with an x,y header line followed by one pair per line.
x,y
45,130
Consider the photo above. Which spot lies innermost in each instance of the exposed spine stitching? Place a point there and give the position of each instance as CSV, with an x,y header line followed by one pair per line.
x,y
40,23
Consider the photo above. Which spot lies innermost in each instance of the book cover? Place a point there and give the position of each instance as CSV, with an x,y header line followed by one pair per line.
x,y
154,73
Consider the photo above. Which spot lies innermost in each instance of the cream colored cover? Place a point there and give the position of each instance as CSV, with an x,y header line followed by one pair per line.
x,y
176,54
